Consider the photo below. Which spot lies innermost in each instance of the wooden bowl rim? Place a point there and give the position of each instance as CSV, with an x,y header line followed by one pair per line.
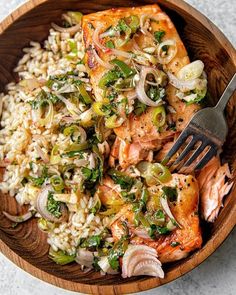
x,y
147,283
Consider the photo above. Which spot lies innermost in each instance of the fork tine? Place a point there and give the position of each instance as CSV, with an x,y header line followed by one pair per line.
x,y
179,142
185,151
206,158
196,153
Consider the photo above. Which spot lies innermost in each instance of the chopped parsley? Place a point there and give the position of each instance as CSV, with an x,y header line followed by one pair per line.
x,y
58,81
156,93
122,26
156,230
174,244
53,206
127,196
159,214
38,181
92,242
125,181
112,95
110,44
170,192
95,263
139,107
117,251
91,176
42,100
158,35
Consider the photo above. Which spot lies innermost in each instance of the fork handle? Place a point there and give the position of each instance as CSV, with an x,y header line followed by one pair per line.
x,y
229,90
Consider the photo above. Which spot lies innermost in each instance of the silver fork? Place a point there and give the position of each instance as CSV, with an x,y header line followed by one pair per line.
x,y
208,129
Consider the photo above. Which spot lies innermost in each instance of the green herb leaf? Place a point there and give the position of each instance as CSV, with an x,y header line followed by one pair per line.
x,y
159,214
53,206
122,26
156,230
175,244
125,181
42,100
110,44
91,177
112,95
139,107
127,196
95,263
38,181
170,192
93,241
156,93
117,251
158,35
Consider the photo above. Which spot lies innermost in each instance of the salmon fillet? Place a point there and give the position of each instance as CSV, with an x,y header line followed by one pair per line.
x,y
181,241
138,130
213,187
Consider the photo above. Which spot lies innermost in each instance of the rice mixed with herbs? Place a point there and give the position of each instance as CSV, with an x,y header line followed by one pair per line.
x,y
31,142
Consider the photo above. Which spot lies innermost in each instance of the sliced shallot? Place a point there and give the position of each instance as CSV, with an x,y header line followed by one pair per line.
x,y
191,71
142,233
141,260
41,154
81,134
70,106
172,50
96,41
140,88
19,218
41,206
84,258
92,161
96,38
71,30
160,16
166,208
121,53
184,86
144,25
102,62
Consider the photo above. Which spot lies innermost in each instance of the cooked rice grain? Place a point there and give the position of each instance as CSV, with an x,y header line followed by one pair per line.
x,y
19,138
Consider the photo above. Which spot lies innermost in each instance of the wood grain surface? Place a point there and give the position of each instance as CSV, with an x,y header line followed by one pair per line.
x,y
25,245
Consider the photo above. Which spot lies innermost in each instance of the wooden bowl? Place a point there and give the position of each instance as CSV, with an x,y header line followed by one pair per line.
x,y
25,245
